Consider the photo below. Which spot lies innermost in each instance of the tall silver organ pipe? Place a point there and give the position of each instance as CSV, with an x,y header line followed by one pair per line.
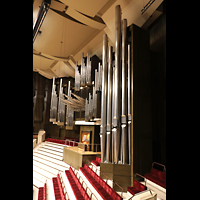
x,y
100,76
113,105
77,77
94,102
129,104
83,69
103,96
90,106
109,105
117,82
61,105
88,70
124,95
86,110
69,110
53,109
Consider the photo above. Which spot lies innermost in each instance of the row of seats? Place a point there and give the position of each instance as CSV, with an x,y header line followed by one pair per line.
x,y
61,141
73,139
97,161
104,190
42,193
58,190
76,186
157,177
136,188
55,140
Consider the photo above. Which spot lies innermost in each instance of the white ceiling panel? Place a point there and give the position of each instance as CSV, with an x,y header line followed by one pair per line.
x,y
87,7
63,70
40,62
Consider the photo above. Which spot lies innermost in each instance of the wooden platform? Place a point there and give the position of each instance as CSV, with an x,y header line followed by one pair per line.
x,y
119,173
77,157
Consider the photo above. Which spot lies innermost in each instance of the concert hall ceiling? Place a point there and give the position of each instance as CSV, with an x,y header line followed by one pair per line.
x,y
71,27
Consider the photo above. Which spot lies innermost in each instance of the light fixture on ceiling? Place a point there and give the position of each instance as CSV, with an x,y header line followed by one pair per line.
x,y
146,6
40,17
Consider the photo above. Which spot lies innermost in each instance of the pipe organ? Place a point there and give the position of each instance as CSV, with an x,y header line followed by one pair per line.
x,y
109,80
84,97
115,132
104,89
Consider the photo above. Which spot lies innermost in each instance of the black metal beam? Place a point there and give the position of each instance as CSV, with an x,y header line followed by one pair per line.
x,y
40,17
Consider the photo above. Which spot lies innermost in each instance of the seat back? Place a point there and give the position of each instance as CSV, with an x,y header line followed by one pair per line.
x,y
104,184
142,187
136,184
115,196
86,167
98,159
109,190
101,181
162,176
154,172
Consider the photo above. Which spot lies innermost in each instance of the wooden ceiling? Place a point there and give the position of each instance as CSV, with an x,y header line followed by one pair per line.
x,y
75,26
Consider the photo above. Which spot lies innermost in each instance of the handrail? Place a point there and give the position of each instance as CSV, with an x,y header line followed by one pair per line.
x,y
160,165
63,185
148,190
142,177
86,186
106,177
83,182
74,142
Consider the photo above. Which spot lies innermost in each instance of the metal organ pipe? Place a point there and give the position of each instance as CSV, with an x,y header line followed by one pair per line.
x,y
53,108
104,96
117,62
109,105
61,106
116,121
113,105
129,104
124,95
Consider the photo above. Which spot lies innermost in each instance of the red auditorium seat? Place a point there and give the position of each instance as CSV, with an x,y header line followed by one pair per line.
x,y
157,177
76,186
97,161
58,190
42,193
104,190
136,188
